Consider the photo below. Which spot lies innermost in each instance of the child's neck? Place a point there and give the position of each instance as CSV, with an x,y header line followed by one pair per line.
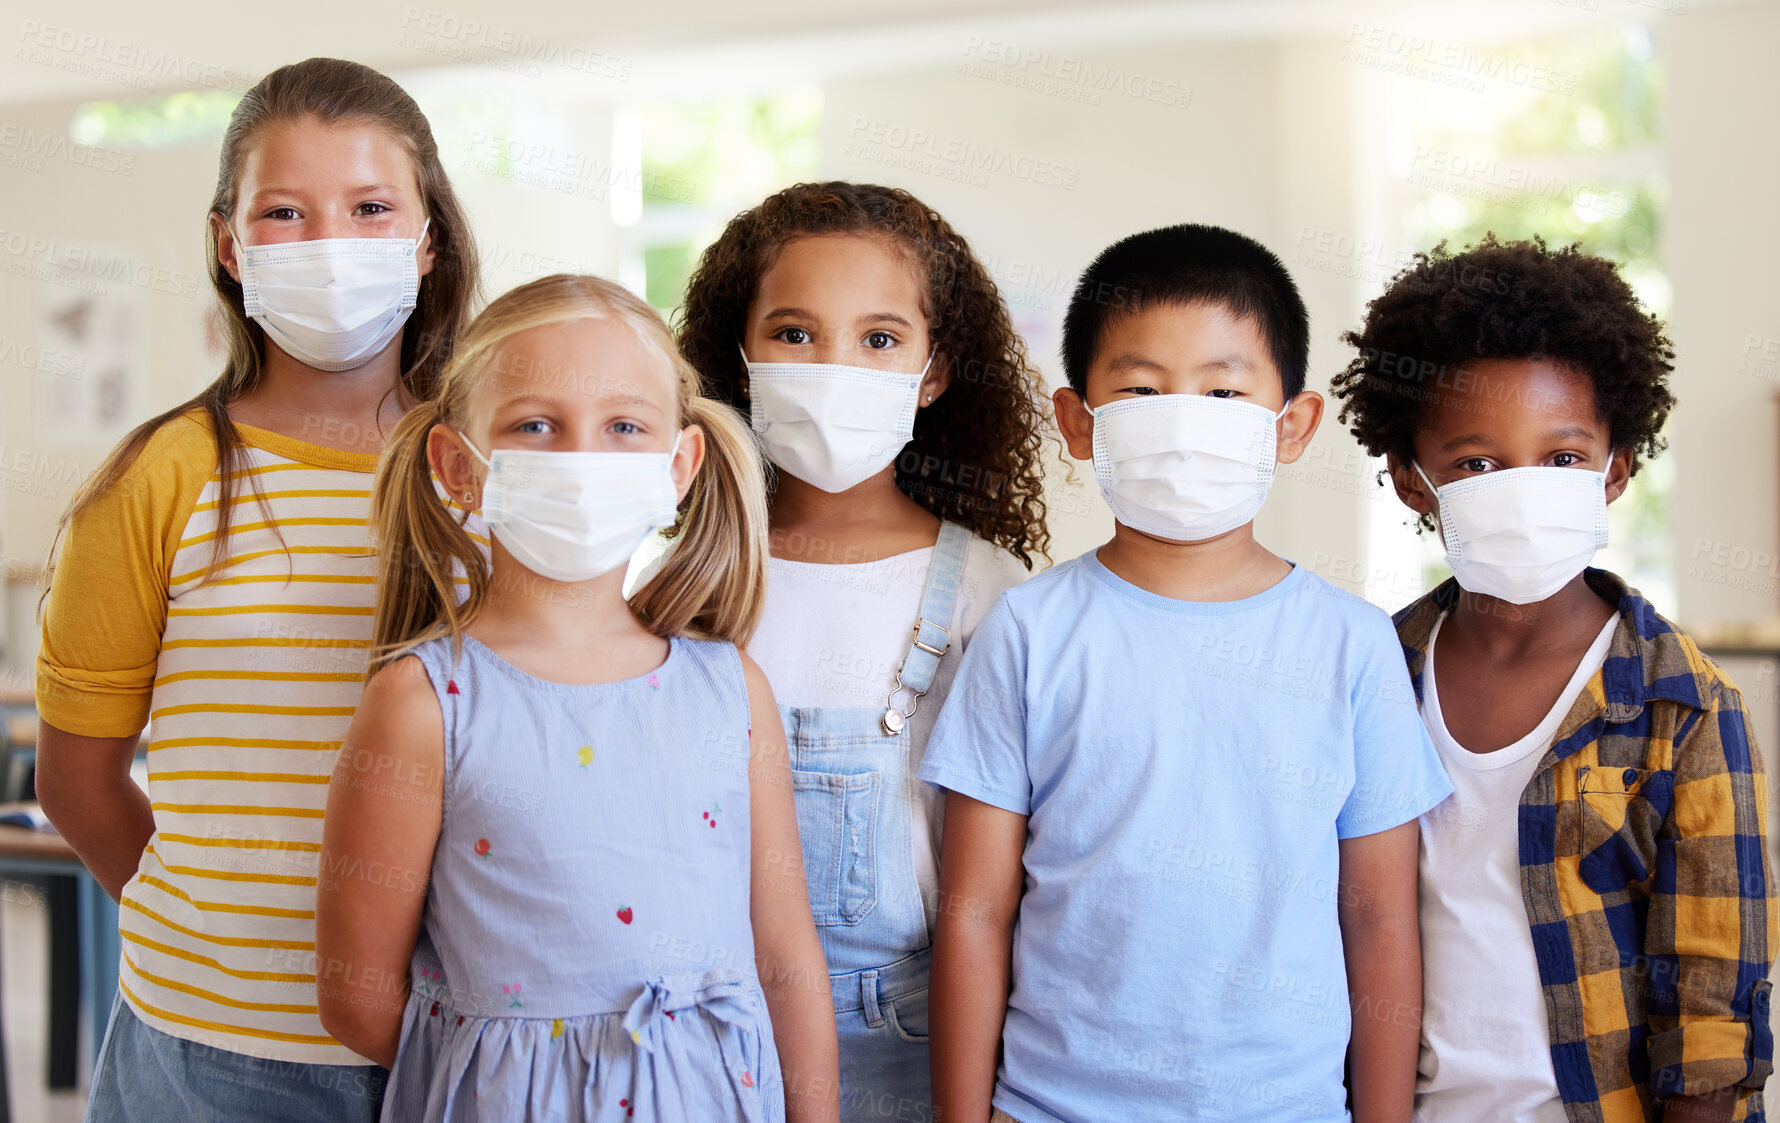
x,y
1229,567
1507,632
581,632
868,521
349,410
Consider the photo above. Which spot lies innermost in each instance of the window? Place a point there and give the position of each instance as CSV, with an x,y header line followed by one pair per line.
x,y
1574,158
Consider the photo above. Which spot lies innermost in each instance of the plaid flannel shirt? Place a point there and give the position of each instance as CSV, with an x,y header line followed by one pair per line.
x,y
1645,875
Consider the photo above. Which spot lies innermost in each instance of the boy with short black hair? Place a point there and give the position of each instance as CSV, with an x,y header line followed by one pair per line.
x,y
1598,919
1182,773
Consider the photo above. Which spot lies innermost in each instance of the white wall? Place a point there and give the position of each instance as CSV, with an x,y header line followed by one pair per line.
x,y
1721,241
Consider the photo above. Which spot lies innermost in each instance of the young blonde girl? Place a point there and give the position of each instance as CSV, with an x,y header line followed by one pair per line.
x,y
214,576
870,350
561,874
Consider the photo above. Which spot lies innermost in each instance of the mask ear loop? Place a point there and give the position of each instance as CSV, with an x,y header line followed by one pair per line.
x,y
1432,486
1434,496
469,444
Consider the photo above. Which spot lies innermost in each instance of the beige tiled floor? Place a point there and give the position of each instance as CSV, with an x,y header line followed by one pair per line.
x,y
24,938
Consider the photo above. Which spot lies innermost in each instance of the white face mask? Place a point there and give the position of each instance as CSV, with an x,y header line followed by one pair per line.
x,y
571,516
1521,534
832,426
1184,466
332,303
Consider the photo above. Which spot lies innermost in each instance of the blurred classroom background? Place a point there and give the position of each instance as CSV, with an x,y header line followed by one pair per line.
x,y
617,139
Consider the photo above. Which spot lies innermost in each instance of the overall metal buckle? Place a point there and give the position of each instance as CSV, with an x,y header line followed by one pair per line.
x,y
895,718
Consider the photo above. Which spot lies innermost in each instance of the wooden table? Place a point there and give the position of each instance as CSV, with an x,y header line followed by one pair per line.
x,y
83,944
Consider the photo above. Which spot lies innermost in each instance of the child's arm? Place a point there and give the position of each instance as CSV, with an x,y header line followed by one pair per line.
x,y
1381,936
787,954
376,856
85,788
981,876
1709,934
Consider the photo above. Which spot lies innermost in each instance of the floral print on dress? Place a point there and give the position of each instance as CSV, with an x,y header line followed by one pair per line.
x,y
511,990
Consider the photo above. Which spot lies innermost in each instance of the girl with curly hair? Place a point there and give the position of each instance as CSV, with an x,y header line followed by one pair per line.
x,y
873,356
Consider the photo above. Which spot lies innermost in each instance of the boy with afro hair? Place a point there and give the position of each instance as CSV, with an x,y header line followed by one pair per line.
x,y
1598,918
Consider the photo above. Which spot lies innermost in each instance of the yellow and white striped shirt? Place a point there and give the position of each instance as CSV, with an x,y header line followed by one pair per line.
x,y
249,683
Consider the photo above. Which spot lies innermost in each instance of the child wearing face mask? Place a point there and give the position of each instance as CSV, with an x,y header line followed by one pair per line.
x,y
1182,773
213,580
869,349
1598,917
589,903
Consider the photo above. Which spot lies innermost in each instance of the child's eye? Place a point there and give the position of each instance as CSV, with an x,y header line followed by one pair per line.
x,y
1223,393
367,208
282,214
794,336
626,428
1565,460
1474,464
880,340
533,428
1140,391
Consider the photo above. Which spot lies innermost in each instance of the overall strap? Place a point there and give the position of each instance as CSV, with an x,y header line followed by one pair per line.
x,y
932,637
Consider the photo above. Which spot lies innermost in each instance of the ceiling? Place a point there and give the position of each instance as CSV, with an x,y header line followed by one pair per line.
x,y
601,49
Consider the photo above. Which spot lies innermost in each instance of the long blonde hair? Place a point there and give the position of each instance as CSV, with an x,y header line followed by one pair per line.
x,y
710,586
332,90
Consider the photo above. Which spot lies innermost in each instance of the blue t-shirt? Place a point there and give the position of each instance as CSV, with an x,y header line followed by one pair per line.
x,y
1187,768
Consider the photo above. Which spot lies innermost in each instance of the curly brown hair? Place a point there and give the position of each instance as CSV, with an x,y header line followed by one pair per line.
x,y
1505,300
974,456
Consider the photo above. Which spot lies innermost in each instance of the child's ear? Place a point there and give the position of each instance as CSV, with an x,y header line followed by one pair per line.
x,y
1298,425
939,377
1619,473
1076,422
426,253
1410,487
688,459
459,472
225,247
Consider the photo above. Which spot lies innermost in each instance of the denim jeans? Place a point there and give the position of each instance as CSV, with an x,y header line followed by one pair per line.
x,y
146,1076
881,1015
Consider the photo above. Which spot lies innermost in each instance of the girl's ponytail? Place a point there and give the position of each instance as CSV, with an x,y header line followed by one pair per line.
x,y
712,584
423,550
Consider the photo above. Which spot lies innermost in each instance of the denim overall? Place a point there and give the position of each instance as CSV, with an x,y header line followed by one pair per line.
x,y
852,774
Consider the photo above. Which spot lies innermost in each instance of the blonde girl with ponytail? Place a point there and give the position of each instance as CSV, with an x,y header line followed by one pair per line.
x,y
562,873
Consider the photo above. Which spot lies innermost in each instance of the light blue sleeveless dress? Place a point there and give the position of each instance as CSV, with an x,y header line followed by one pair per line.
x,y
586,951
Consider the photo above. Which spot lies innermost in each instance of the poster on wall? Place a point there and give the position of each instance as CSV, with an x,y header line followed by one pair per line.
x,y
96,325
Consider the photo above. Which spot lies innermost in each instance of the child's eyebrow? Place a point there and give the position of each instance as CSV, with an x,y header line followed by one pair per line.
x,y
789,314
1571,433
519,403
884,318
1131,360
526,400
367,189
1467,439
1233,360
